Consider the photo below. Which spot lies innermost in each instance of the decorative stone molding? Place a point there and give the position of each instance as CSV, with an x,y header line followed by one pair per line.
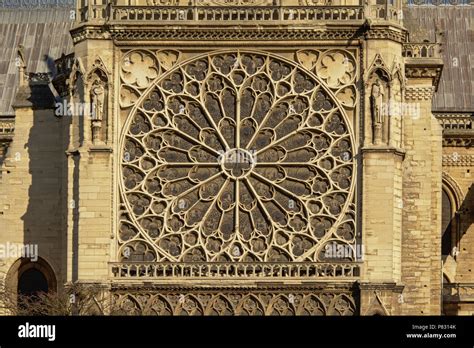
x,y
399,36
458,129
238,300
384,149
419,70
455,121
378,63
263,33
457,160
454,189
423,60
98,65
458,142
337,67
419,93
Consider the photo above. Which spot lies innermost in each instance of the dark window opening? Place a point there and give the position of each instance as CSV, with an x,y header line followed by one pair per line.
x,y
446,224
32,282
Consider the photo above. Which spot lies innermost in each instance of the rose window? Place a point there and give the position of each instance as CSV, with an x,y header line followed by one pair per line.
x,y
236,157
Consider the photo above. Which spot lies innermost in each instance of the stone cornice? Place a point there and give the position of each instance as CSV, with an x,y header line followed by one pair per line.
x,y
260,287
431,68
384,149
458,128
381,286
238,33
458,137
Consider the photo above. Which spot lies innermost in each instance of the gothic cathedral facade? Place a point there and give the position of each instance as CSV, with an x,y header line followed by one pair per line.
x,y
241,157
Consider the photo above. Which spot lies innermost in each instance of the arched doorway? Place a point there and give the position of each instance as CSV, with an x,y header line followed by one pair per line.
x,y
26,277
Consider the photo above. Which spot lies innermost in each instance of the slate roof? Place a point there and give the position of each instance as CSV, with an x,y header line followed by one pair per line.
x,y
456,88
44,32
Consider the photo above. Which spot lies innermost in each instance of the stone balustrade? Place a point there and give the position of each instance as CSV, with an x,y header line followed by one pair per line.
x,y
456,121
241,13
421,50
294,270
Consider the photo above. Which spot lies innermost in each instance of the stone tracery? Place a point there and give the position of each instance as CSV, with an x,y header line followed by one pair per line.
x,y
236,157
236,303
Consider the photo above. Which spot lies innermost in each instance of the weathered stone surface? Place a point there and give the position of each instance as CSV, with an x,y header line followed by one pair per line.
x,y
194,172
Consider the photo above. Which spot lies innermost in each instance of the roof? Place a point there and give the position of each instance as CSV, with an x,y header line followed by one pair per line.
x,y
44,32
456,88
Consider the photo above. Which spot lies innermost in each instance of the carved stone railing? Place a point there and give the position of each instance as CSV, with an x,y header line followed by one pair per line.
x,y
458,292
421,50
456,121
7,126
279,11
458,131
248,271
234,13
64,64
387,12
93,12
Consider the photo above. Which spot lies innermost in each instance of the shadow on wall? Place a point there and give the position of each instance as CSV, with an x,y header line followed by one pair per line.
x,y
456,228
45,219
466,210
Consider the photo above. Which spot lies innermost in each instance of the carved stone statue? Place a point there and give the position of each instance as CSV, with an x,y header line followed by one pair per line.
x,y
97,97
376,101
